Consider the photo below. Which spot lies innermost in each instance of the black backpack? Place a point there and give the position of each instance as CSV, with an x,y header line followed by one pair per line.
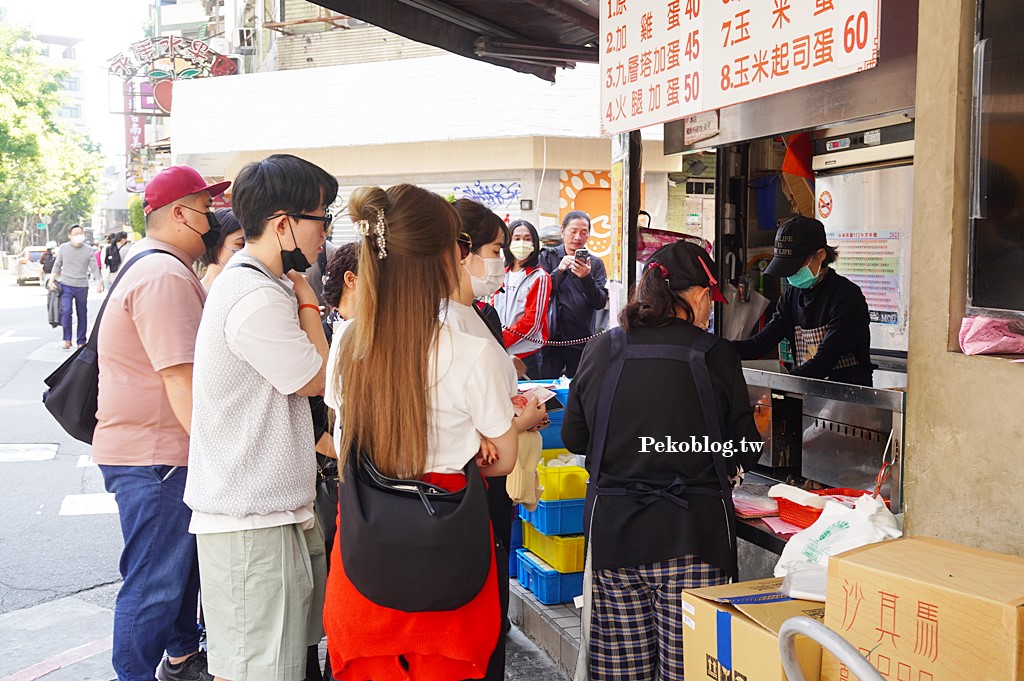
x,y
72,394
113,258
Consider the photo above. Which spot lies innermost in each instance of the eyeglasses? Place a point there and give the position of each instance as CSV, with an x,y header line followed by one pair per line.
x,y
326,218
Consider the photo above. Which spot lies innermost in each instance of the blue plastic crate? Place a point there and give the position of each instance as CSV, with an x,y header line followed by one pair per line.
x,y
552,435
517,531
549,586
517,542
555,517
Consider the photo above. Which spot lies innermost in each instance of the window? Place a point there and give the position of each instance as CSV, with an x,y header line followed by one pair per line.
x,y
71,111
996,278
73,84
700,187
69,53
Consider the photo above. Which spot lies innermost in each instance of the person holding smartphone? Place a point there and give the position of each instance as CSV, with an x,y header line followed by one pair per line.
x,y
578,291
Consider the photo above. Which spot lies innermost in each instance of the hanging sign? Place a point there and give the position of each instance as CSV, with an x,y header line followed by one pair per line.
x,y
662,60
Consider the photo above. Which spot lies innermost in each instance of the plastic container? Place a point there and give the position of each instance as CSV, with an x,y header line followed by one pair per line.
x,y
562,482
804,516
547,584
552,435
556,517
564,554
517,543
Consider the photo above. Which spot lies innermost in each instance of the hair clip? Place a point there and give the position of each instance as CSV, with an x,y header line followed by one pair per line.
x,y
662,270
362,228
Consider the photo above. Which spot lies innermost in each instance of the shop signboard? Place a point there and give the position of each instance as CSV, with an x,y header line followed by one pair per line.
x,y
662,60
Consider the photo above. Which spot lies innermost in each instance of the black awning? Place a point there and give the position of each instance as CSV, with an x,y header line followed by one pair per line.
x,y
529,36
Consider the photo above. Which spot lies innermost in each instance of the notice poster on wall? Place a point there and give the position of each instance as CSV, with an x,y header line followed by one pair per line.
x,y
868,218
871,259
662,60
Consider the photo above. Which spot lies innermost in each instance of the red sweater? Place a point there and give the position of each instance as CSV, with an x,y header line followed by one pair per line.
x,y
366,639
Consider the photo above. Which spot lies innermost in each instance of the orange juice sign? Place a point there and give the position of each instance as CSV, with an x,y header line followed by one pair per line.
x,y
662,60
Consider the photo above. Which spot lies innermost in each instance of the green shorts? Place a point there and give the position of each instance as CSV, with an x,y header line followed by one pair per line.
x,y
263,597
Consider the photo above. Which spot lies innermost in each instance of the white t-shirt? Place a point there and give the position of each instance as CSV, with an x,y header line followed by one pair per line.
x,y
469,397
464,318
260,330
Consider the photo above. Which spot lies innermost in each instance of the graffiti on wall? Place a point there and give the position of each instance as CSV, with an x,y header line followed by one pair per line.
x,y
498,196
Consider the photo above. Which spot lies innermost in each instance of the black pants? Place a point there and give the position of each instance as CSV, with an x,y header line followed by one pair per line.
x,y
557,360
532,363
326,507
496,665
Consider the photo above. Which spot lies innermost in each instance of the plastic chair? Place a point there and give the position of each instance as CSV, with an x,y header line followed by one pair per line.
x,y
829,640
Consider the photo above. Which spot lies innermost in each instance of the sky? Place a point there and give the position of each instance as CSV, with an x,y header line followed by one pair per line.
x,y
106,27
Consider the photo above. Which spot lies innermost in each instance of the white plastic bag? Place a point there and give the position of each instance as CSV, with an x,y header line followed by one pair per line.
x,y
840,529
805,581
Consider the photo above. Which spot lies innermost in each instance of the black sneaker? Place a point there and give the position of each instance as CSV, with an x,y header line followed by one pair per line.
x,y
192,669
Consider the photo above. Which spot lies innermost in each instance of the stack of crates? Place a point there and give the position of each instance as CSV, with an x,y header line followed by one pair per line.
x,y
550,563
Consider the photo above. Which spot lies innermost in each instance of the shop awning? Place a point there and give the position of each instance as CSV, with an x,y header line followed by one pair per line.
x,y
529,36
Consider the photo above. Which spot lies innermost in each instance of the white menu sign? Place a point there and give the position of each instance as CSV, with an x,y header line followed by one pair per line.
x,y
662,60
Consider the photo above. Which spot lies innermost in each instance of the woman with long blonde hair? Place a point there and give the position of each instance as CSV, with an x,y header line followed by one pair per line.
x,y
413,398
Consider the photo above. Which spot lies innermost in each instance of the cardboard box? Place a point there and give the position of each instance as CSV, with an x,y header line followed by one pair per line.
x,y
928,610
731,632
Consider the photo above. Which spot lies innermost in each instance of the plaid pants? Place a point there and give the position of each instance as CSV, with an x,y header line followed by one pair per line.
x,y
636,628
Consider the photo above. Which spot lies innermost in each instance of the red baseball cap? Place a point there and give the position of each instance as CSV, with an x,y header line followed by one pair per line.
x,y
174,183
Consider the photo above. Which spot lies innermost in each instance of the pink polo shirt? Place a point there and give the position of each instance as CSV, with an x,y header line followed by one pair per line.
x,y
150,324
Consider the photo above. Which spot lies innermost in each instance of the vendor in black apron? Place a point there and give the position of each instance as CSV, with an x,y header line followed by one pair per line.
x,y
652,396
823,314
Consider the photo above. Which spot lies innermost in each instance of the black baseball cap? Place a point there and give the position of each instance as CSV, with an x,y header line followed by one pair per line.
x,y
796,239
685,264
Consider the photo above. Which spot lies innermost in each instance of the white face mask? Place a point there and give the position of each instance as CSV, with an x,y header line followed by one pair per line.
x,y
494,277
78,239
521,250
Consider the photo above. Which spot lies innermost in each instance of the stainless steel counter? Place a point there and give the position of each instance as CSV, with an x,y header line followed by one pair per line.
x,y
832,433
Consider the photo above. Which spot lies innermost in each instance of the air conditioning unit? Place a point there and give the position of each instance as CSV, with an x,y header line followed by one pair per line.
x,y
246,41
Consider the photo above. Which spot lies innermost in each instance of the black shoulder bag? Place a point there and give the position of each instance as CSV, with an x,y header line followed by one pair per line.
x,y
73,389
412,546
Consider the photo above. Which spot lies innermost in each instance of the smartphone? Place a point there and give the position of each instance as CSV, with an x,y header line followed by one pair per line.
x,y
553,404
582,255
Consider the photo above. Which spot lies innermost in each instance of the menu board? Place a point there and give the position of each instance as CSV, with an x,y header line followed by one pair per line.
x,y
662,60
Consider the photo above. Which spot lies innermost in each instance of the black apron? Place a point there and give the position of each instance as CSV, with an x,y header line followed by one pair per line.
x,y
696,357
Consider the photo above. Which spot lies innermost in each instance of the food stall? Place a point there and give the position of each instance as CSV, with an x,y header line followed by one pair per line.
x,y
760,89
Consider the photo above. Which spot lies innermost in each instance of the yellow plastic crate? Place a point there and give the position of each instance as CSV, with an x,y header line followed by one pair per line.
x,y
565,554
562,482
548,454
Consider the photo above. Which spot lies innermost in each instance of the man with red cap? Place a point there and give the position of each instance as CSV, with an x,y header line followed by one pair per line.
x,y
146,347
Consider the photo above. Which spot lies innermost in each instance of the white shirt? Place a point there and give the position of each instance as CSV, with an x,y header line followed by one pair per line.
x,y
469,397
464,318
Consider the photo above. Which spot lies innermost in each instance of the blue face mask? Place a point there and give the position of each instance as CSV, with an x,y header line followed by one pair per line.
x,y
803,277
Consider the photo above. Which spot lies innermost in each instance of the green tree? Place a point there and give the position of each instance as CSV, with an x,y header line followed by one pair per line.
x,y
136,216
45,169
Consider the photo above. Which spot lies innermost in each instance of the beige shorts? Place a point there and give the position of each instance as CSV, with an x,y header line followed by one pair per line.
x,y
263,597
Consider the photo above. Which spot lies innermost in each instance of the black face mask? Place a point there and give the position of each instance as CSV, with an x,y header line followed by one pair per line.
x,y
211,237
293,259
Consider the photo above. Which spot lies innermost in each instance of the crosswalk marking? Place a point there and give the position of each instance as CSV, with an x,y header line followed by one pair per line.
x,y
84,461
29,451
88,504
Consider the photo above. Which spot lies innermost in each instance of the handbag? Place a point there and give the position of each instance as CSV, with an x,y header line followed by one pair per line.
x,y
73,389
409,545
